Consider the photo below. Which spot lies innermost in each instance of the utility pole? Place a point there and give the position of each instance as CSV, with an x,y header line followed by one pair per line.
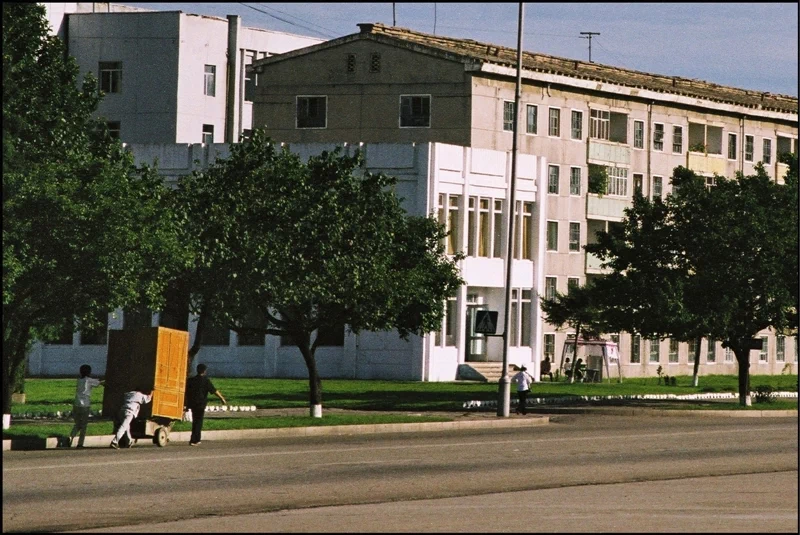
x,y
394,18
504,404
589,37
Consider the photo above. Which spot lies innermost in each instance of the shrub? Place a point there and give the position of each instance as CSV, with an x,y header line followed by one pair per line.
x,y
765,394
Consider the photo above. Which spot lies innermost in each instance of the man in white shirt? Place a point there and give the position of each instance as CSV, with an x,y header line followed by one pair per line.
x,y
81,407
523,380
131,403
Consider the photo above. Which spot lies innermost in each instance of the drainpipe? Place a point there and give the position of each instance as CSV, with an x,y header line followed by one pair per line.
x,y
649,148
741,144
231,87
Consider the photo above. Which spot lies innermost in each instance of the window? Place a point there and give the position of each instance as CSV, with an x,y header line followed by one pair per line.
x,y
210,87
655,352
762,355
572,282
448,216
575,181
520,331
375,62
657,187
552,179
731,146
673,351
114,128
599,124
555,122
450,322
692,347
508,116
638,183
577,125
208,133
636,349
111,76
711,353
617,181
575,237
96,335
498,228
530,126
658,136
677,139
780,348
767,152
705,138
312,112
415,111
550,287
550,346
748,148
638,134
523,231
552,235
250,76
728,354
479,227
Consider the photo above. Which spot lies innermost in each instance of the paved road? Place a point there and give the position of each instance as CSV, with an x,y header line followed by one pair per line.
x,y
580,473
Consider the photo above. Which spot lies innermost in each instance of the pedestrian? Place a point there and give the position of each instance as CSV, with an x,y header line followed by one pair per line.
x,y
197,390
523,380
81,406
131,404
546,369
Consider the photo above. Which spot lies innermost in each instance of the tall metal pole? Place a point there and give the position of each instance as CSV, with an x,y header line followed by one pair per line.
x,y
589,37
504,404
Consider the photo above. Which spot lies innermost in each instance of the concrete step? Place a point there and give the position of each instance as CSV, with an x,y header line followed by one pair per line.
x,y
489,372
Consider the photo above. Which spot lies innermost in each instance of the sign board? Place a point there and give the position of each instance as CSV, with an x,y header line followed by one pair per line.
x,y
485,321
755,343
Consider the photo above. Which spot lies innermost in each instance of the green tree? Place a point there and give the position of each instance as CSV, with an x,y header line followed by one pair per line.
x,y
83,229
716,261
291,249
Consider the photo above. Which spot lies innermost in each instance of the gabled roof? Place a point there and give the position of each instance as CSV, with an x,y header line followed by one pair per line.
x,y
474,52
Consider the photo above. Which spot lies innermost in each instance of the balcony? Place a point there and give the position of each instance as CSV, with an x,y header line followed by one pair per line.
x,y
593,265
706,164
608,152
605,207
780,172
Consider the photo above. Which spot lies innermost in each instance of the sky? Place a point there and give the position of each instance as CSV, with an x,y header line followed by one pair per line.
x,y
744,45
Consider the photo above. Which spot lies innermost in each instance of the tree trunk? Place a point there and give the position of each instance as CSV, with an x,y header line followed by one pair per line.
x,y
198,340
314,383
742,353
695,375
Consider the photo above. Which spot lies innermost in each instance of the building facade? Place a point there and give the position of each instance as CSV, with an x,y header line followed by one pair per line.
x,y
169,76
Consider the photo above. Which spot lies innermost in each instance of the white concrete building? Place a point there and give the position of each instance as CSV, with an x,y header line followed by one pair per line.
x,y
169,76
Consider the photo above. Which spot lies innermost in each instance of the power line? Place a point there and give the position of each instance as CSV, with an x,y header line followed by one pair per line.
x,y
328,35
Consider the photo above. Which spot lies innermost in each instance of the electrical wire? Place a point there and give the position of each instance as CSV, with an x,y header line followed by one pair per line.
x,y
324,34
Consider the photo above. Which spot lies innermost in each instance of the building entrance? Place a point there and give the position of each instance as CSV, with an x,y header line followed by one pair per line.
x,y
476,342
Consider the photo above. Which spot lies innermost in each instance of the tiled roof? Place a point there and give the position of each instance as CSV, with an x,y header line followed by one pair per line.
x,y
468,49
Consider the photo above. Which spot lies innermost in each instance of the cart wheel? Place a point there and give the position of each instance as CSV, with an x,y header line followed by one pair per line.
x,y
160,437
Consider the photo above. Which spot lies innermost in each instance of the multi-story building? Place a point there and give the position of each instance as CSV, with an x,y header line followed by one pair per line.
x,y
393,85
169,76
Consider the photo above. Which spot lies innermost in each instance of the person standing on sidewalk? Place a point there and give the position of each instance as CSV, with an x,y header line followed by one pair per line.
x,y
523,380
81,407
197,390
131,404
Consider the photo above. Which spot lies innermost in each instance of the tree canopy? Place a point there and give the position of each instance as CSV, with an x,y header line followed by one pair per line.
x,y
718,261
84,230
292,248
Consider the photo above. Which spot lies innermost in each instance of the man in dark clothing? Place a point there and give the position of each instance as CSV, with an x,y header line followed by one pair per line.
x,y
197,390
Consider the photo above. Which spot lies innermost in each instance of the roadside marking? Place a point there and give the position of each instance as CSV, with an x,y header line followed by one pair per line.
x,y
193,458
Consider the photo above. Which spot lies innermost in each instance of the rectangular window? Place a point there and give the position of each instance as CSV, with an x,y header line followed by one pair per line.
x,y
617,181
764,353
638,134
748,148
498,228
767,152
552,179
472,231
550,287
636,349
508,116
728,354
657,187
208,133
554,128
575,181
780,348
312,112
210,86
552,235
577,125
484,221
731,146
550,346
250,76
575,237
673,351
520,327
114,129
350,63
677,139
449,217
599,124
375,62
572,282
655,350
658,136
692,347
533,112
415,111
638,183
110,76
523,231
450,322
711,353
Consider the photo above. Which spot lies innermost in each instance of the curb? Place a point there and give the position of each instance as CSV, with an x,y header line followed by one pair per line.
x,y
103,441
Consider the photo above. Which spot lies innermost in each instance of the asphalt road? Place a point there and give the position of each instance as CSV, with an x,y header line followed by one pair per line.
x,y
579,473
